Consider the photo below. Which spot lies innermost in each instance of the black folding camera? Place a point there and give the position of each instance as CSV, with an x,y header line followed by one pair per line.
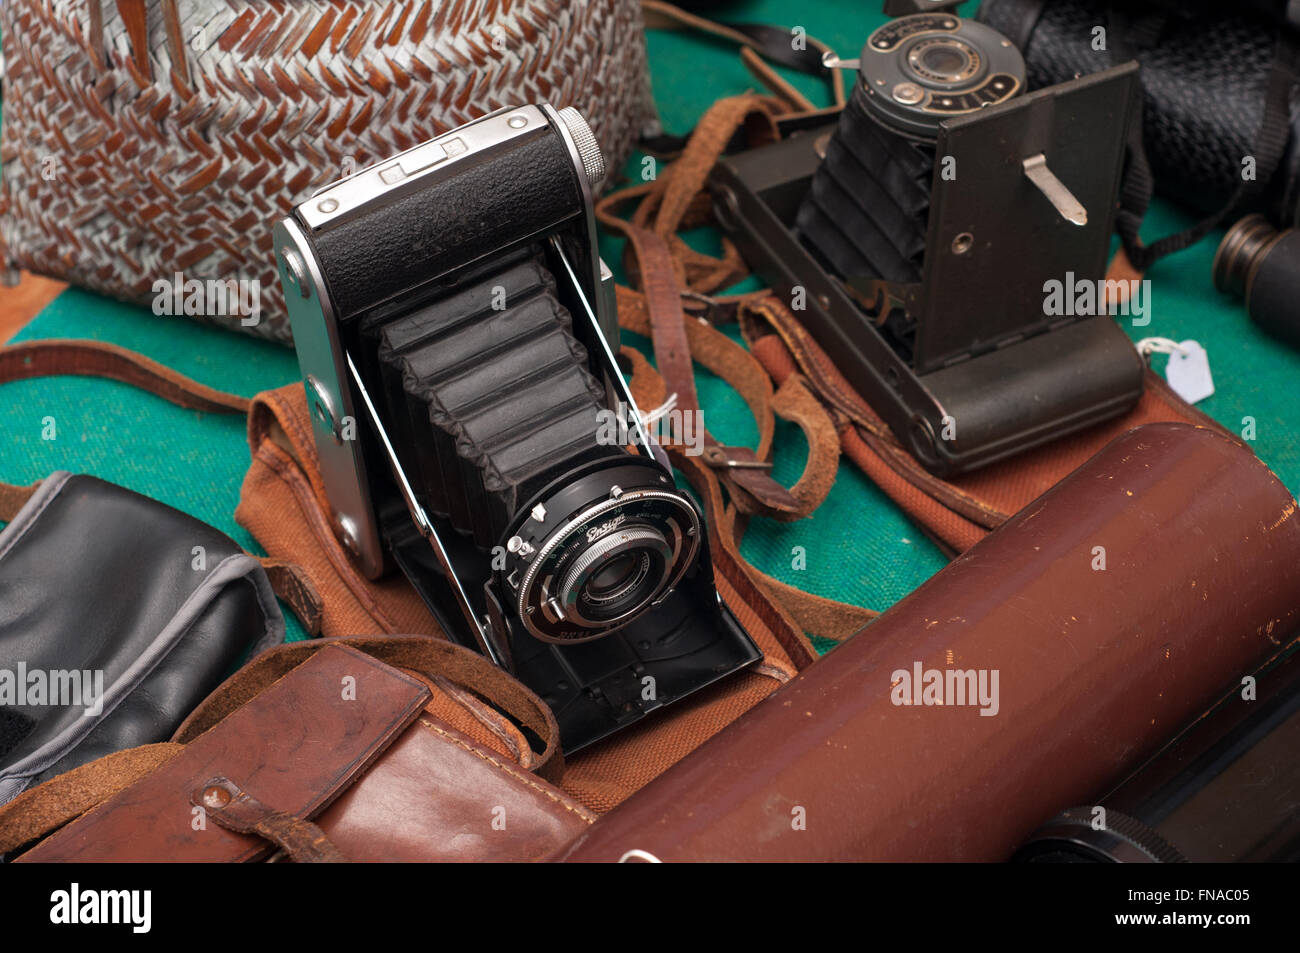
x,y
456,332
921,232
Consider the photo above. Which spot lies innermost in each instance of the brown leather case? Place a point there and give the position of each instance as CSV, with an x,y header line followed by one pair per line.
x,y
1096,666
344,739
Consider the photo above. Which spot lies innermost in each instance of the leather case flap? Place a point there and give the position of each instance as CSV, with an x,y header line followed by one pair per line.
x,y
294,748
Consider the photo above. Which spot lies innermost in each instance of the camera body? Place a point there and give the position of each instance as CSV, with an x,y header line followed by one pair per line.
x,y
866,213
920,234
456,333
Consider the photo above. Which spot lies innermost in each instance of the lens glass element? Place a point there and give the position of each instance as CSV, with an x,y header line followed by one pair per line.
x,y
943,61
608,559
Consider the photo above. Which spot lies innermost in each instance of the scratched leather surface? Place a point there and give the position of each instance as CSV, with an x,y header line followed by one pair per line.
x,y
1096,670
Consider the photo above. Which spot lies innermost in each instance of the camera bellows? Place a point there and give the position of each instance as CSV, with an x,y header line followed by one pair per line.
x,y
868,207
490,396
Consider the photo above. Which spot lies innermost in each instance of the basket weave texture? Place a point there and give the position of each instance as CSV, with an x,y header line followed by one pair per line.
x,y
148,138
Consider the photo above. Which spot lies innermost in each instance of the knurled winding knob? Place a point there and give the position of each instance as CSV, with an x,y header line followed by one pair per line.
x,y
593,163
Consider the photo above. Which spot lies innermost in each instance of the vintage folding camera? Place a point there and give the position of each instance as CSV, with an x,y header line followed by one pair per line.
x,y
457,335
920,233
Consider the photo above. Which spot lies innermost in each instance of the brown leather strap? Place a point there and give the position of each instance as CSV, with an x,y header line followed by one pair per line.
x,y
43,809
47,358
673,278
664,267
728,360
233,808
728,562
673,358
665,16
663,303
767,315
788,612
291,583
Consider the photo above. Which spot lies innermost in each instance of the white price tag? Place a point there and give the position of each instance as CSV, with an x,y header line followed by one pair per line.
x,y
1188,372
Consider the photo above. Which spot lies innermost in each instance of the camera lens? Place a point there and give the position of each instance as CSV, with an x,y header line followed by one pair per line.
x,y
616,576
600,550
612,579
943,61
920,70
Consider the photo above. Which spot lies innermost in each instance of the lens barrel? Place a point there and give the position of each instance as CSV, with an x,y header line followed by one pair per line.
x,y
1262,264
600,550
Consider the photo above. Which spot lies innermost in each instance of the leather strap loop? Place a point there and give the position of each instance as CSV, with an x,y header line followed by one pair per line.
x,y
233,808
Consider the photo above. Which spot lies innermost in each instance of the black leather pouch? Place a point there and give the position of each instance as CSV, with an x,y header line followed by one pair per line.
x,y
118,615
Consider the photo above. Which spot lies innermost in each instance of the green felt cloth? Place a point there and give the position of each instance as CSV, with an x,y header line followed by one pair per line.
x,y
857,547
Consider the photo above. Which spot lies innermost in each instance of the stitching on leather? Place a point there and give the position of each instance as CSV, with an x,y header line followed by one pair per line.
x,y
513,773
470,703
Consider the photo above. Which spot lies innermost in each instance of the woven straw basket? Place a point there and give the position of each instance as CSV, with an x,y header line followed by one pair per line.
x,y
149,138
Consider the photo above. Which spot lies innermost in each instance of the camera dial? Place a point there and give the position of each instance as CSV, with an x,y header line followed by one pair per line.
x,y
919,70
